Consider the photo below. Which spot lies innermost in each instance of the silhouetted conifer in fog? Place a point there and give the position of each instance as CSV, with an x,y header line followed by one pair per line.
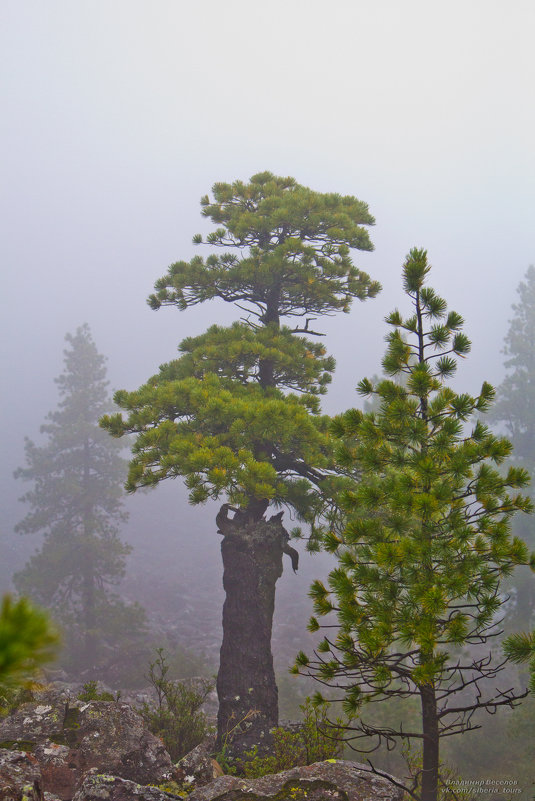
x,y
515,411
76,504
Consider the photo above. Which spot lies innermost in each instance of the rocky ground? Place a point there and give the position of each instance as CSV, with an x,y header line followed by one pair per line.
x,y
58,748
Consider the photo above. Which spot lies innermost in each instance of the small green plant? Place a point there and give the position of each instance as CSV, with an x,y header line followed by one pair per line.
x,y
177,717
322,739
12,697
314,741
27,640
229,764
90,693
225,761
288,752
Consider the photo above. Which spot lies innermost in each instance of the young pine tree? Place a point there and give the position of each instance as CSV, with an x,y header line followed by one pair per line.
x,y
515,411
237,415
426,543
76,503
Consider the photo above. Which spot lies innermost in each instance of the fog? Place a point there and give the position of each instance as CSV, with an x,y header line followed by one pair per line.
x,y
118,117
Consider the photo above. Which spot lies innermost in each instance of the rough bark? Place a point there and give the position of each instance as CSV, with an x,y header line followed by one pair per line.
x,y
252,553
430,744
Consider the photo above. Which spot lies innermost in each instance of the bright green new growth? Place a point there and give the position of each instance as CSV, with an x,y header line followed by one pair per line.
x,y
237,415
209,418
520,648
223,435
427,538
27,640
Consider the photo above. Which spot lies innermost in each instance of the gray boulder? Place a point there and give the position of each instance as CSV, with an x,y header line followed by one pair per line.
x,y
69,737
102,787
20,777
333,780
198,768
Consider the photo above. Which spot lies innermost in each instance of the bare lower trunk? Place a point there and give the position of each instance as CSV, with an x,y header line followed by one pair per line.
x,y
248,698
431,744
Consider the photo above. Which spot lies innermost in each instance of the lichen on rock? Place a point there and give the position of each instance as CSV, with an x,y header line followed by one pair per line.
x,y
70,737
323,781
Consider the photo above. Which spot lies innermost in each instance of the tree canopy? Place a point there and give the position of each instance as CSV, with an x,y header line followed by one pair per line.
x,y
237,414
297,257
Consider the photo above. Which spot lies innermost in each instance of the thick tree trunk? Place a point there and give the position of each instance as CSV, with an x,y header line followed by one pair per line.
x,y
248,699
431,744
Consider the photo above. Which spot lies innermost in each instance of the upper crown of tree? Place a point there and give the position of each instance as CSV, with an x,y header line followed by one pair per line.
x,y
298,260
237,413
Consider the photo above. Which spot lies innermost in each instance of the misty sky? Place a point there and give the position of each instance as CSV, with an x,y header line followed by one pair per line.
x,y
117,115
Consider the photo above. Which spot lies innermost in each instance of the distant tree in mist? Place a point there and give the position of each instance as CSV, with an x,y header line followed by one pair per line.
x,y
76,503
425,547
515,412
237,415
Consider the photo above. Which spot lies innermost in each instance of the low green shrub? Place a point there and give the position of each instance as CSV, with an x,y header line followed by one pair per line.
x,y
177,717
90,693
12,697
315,740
